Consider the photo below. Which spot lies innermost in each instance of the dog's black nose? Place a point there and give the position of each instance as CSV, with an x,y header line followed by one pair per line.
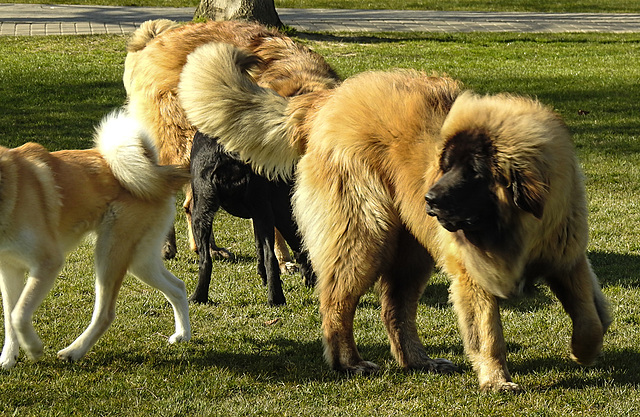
x,y
431,198
431,205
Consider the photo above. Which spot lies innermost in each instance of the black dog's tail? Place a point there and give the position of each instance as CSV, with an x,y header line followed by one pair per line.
x,y
221,99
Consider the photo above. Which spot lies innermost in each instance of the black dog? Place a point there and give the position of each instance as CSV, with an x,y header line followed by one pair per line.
x,y
218,179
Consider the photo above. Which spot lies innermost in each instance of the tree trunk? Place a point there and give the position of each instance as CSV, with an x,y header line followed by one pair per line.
x,y
263,11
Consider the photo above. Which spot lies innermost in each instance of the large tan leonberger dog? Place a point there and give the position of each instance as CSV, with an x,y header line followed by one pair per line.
x,y
158,50
50,201
399,171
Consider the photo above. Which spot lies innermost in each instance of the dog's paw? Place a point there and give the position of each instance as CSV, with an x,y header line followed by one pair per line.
x,y
440,366
169,251
223,254
361,368
502,386
199,298
70,355
179,337
289,268
35,350
8,361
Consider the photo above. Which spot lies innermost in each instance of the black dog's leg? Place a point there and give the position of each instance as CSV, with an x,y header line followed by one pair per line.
x,y
309,277
204,204
263,229
202,220
290,233
260,244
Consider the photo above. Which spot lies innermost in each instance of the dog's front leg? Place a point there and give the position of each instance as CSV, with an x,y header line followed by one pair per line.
x,y
481,328
400,288
12,283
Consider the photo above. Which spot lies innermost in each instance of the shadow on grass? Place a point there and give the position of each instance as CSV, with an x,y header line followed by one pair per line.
x,y
292,362
280,359
616,269
615,367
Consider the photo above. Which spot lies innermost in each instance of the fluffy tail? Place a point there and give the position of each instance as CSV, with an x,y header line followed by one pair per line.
x,y
132,157
222,100
147,31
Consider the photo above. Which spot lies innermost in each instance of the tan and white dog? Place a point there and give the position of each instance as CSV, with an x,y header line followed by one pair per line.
x,y
50,201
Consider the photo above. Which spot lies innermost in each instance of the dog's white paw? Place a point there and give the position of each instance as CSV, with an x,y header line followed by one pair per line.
x,y
179,337
8,361
70,355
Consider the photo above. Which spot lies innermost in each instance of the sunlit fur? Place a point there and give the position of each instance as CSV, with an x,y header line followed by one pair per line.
x,y
159,49
369,153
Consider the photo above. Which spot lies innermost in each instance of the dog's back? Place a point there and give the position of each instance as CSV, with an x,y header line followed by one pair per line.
x,y
152,74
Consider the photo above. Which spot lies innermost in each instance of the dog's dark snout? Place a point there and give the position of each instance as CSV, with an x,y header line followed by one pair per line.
x,y
432,198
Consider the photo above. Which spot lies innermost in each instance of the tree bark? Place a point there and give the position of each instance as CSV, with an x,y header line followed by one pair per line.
x,y
263,11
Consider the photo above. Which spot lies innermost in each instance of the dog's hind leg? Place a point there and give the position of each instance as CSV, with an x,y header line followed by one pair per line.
x,y
287,228
39,283
348,223
400,287
281,250
12,283
579,292
152,272
170,247
204,205
111,259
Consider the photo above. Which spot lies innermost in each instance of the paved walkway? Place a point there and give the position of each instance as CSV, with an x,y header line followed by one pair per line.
x,y
47,19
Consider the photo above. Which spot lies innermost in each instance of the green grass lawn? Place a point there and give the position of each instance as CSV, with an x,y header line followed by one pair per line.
x,y
579,6
55,89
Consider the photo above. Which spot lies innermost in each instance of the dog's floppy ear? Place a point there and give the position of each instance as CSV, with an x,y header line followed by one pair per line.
x,y
530,189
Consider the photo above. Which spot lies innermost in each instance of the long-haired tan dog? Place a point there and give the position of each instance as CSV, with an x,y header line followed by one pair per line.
x,y
50,201
158,50
504,202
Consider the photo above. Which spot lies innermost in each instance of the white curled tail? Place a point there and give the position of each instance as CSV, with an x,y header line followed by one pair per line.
x,y
130,153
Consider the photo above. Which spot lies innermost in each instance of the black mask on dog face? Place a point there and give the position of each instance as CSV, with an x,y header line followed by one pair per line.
x,y
463,198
